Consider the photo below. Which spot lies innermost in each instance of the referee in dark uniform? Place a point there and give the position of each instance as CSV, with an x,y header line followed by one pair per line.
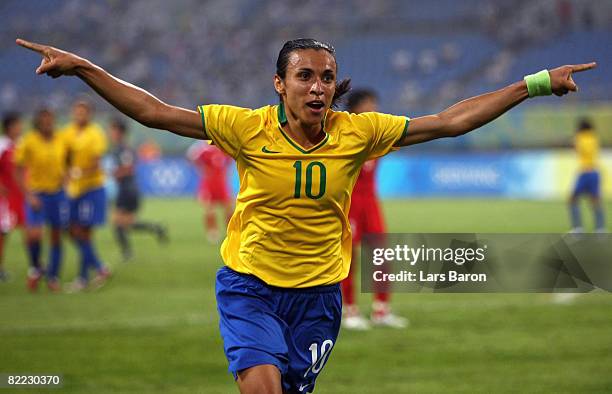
x,y
128,196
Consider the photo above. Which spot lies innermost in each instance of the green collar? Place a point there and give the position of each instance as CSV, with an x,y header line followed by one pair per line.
x,y
282,119
282,116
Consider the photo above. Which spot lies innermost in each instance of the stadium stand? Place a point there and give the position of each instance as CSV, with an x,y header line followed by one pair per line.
x,y
421,56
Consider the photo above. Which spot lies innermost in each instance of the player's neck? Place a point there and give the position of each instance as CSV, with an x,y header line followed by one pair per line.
x,y
81,126
307,135
45,136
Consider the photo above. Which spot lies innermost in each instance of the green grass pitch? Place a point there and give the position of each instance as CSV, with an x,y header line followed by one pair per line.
x,y
153,328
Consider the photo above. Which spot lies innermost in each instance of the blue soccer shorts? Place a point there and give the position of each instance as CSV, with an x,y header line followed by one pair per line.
x,y
53,210
293,329
89,209
587,183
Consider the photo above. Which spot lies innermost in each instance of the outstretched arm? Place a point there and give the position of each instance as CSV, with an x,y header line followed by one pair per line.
x,y
474,112
133,101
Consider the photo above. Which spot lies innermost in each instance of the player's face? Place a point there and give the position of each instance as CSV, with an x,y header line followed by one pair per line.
x,y
115,135
309,85
45,123
14,130
81,114
366,105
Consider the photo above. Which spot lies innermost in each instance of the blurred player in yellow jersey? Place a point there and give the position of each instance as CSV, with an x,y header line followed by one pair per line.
x,y
588,182
86,144
41,156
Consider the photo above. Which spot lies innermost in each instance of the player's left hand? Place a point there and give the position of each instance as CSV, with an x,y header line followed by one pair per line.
x,y
561,77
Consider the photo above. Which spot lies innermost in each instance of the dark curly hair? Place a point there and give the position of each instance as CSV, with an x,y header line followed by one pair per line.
x,y
584,124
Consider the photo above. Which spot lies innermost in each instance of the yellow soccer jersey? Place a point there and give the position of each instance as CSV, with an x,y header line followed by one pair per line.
x,y
85,149
290,227
44,161
587,147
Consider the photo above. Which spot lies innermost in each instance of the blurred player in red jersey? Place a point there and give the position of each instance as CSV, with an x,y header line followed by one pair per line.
x,y
366,216
12,213
213,191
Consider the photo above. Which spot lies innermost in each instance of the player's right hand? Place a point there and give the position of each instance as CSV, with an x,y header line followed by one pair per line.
x,y
55,62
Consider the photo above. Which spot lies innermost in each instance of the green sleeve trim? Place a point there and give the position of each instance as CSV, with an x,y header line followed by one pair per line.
x,y
404,132
201,111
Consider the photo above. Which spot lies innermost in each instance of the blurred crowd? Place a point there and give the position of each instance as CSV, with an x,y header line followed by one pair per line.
x,y
223,51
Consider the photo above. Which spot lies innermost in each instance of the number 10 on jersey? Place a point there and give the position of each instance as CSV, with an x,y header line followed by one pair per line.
x,y
308,175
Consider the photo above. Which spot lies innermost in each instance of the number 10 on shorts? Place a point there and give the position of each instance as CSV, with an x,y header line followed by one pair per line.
x,y
319,357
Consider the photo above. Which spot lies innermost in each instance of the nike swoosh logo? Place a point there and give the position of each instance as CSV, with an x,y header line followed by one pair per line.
x,y
319,361
303,386
265,150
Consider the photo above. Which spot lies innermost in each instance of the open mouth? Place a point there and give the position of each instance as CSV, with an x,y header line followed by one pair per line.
x,y
316,104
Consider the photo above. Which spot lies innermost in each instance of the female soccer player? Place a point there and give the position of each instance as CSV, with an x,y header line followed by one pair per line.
x,y
587,183
127,203
41,154
288,243
85,144
12,214
213,190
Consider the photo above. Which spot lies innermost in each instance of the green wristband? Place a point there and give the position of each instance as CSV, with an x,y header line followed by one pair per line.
x,y
538,84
